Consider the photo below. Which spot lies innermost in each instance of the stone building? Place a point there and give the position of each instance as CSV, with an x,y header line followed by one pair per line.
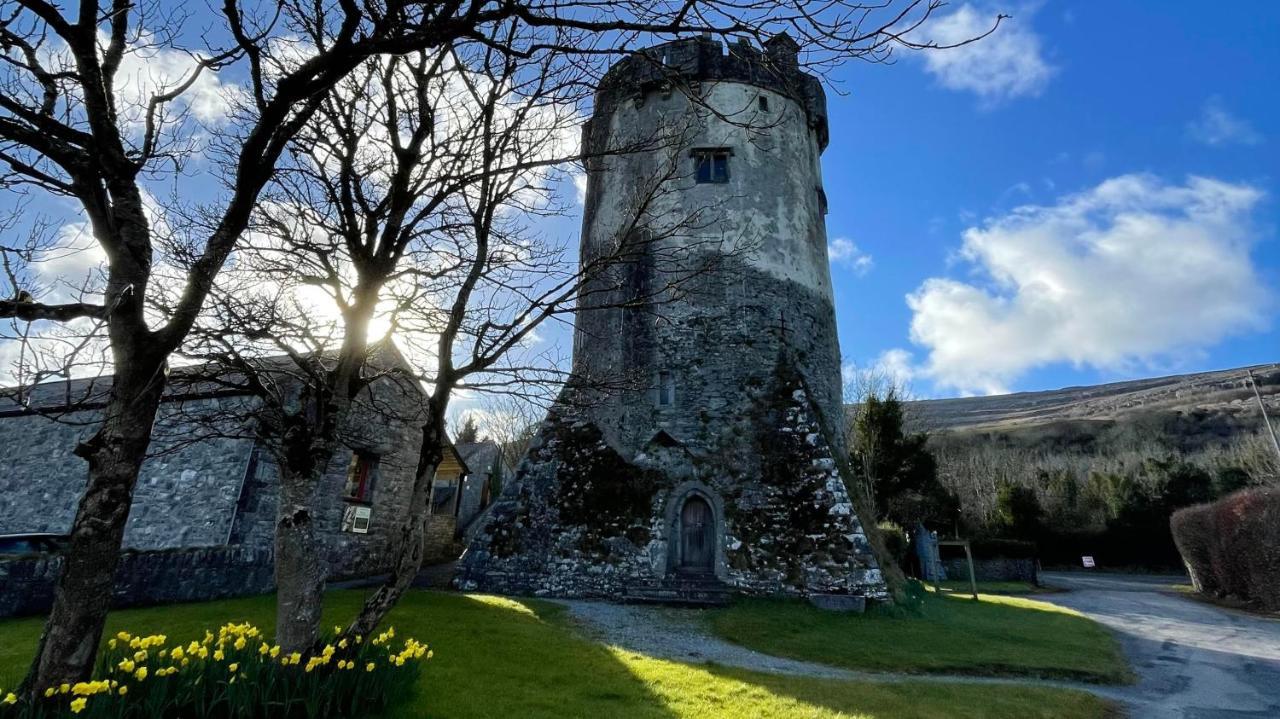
x,y
695,451
207,483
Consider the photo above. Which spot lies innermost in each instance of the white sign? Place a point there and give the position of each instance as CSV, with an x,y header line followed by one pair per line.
x,y
1088,562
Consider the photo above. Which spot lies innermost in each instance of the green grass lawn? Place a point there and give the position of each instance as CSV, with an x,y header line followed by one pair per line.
x,y
998,635
518,659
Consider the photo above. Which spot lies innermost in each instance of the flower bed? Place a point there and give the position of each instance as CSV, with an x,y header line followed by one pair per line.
x,y
235,673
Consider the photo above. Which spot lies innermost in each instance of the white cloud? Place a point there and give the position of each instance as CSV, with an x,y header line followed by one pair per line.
x,y
1216,126
1005,64
896,364
845,252
1135,270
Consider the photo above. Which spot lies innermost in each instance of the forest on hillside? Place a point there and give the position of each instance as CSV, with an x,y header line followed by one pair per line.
x,y
1105,487
1086,471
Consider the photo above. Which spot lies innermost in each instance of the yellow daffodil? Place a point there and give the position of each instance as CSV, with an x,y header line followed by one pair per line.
x,y
64,688
127,665
124,690
140,674
275,651
218,655
177,654
48,692
10,699
111,644
232,667
369,667
240,643
342,643
140,655
77,705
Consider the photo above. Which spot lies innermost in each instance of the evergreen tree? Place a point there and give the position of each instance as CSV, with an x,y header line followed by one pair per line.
x,y
469,433
898,470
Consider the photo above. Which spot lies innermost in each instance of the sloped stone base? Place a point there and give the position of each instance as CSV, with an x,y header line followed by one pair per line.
x,y
581,520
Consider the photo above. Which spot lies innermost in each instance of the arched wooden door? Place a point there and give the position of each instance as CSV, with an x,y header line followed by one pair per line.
x,y
697,536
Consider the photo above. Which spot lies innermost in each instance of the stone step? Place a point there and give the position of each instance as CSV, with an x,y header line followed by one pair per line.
x,y
686,590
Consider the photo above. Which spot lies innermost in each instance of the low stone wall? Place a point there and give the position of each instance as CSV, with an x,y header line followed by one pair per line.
x,y
995,569
439,543
146,577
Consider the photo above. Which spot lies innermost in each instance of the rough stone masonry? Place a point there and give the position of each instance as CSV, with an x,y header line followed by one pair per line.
x,y
696,444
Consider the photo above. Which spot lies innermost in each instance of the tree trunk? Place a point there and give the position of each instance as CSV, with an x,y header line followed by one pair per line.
x,y
413,530
115,454
301,568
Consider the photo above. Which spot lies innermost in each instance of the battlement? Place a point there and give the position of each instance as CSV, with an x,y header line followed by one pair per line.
x,y
705,59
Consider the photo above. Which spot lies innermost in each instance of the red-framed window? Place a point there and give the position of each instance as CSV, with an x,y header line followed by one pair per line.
x,y
362,476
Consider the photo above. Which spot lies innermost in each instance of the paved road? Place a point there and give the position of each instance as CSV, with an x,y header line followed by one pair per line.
x,y
1194,661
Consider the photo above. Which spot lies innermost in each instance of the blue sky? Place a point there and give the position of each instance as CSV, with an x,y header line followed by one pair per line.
x,y
1089,195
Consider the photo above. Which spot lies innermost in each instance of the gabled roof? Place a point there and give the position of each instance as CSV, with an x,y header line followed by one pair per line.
x,y
479,456
185,382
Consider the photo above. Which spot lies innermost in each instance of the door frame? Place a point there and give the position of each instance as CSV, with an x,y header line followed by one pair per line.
x,y
675,506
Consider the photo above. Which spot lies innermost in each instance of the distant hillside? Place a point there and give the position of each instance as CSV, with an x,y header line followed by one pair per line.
x,y
1224,395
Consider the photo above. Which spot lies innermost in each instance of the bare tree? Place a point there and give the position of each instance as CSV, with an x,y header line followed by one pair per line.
x,y
71,127
512,422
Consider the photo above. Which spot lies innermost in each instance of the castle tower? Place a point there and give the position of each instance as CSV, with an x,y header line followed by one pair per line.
x,y
694,451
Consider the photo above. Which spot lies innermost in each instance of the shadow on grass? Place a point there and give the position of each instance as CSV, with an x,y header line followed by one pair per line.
x,y
924,700
494,657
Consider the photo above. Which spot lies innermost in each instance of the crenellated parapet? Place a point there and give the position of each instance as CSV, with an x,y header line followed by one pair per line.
x,y
685,63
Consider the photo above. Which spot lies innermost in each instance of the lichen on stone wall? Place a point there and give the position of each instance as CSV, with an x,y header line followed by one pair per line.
x,y
796,522
599,490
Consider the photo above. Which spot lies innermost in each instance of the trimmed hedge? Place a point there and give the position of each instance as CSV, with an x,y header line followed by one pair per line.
x,y
1232,547
995,548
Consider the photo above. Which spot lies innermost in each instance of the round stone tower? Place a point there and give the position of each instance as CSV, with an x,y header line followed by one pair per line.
x,y
704,164
697,449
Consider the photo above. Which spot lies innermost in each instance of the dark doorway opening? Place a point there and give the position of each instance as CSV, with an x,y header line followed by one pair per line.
x,y
697,536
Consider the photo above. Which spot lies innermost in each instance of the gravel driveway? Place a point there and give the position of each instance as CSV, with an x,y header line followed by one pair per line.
x,y
1194,660
682,635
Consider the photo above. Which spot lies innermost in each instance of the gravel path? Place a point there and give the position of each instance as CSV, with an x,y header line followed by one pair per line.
x,y
1194,660
681,635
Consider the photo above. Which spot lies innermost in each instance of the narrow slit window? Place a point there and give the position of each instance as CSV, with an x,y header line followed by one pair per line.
x,y
764,103
666,389
712,166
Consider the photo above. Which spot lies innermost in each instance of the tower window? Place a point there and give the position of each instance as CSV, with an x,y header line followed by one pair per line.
x,y
712,166
666,389
764,103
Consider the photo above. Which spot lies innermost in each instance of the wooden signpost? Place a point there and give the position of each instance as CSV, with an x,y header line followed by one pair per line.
x,y
968,555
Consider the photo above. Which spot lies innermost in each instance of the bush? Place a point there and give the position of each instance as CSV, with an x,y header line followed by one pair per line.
x,y
1193,534
1232,547
233,674
896,542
